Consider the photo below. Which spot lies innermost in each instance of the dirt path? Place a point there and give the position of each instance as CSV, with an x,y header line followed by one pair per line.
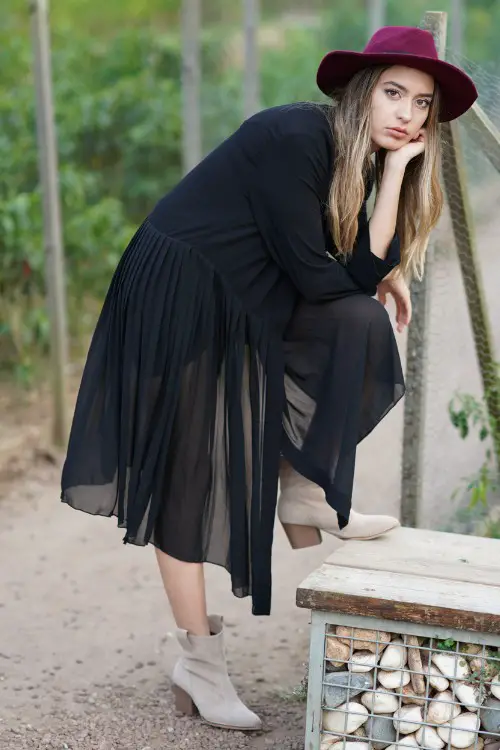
x,y
87,643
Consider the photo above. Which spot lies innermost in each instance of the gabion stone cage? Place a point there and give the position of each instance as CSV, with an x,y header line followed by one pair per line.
x,y
405,644
383,689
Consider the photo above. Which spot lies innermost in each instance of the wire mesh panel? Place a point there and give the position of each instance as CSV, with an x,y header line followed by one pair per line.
x,y
460,340
385,689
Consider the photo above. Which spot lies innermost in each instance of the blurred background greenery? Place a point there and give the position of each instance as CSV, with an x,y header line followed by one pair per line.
x,y
116,74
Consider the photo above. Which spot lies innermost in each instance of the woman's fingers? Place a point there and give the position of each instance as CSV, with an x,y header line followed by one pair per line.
x,y
403,310
402,300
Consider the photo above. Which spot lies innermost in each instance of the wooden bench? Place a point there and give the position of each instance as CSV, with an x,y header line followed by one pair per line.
x,y
426,594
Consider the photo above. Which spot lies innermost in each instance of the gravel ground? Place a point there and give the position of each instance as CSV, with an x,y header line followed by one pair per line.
x,y
117,718
87,640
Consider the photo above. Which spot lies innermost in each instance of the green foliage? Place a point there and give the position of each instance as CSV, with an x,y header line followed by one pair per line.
x,y
119,139
117,89
466,413
117,101
448,644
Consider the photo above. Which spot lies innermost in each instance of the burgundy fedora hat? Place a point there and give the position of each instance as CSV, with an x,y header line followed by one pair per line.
x,y
402,45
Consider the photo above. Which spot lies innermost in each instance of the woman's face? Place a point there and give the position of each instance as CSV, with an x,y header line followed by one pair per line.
x,y
400,105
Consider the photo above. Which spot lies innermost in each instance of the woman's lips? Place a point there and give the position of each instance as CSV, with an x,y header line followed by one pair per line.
x,y
397,133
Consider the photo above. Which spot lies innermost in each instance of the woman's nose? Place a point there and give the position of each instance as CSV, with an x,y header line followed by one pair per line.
x,y
404,111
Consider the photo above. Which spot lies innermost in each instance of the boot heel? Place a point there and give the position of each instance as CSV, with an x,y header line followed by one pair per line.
x,y
302,536
183,702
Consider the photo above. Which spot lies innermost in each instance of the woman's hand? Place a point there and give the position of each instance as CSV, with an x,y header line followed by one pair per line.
x,y
409,151
398,288
383,220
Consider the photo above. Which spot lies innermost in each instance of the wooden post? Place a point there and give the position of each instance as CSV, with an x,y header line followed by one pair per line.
x,y
416,357
457,26
487,138
251,82
376,15
455,181
54,262
191,79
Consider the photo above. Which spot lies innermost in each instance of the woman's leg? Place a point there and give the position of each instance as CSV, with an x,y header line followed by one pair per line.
x,y
184,584
343,374
200,677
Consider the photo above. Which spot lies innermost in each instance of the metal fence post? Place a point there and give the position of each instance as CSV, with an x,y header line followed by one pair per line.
x,y
251,85
54,260
191,80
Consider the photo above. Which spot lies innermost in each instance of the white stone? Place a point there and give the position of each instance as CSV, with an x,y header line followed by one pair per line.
x,y
453,666
393,680
436,679
328,742
362,661
380,702
408,719
427,737
461,732
408,741
335,721
394,656
495,686
443,708
468,695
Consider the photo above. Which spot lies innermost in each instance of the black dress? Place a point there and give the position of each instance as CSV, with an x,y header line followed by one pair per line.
x,y
229,336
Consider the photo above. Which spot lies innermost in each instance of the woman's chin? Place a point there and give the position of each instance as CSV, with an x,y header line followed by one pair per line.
x,y
388,144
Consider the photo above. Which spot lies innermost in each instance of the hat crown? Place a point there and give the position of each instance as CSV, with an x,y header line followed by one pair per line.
x,y
402,40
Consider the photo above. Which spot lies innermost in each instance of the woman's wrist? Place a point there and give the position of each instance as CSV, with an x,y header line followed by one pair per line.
x,y
395,164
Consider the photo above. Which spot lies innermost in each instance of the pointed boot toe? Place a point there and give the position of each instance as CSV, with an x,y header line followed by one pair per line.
x,y
367,527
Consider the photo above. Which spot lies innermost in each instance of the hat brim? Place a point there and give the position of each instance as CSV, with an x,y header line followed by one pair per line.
x,y
458,92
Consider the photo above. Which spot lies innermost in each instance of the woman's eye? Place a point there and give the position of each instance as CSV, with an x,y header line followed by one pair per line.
x,y
392,92
423,103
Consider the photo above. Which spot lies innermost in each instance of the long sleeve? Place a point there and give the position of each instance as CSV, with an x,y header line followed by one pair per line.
x,y
365,267
286,195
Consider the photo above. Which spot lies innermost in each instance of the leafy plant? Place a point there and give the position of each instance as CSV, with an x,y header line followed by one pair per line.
x,y
447,644
467,413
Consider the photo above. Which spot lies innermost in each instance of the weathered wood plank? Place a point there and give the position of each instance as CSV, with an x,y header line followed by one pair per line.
x,y
402,597
434,554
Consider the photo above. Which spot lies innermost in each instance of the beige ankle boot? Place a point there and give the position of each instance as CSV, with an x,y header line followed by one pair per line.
x,y
201,681
304,513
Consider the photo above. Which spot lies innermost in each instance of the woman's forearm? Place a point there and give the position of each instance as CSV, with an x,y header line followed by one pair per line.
x,y
383,221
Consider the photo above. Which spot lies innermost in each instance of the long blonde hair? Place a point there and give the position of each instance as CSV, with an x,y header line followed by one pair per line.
x,y
421,199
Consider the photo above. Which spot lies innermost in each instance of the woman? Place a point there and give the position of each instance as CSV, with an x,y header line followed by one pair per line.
x,y
240,330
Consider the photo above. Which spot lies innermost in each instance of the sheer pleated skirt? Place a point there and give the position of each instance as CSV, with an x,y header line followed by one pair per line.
x,y
172,431
187,402
342,376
